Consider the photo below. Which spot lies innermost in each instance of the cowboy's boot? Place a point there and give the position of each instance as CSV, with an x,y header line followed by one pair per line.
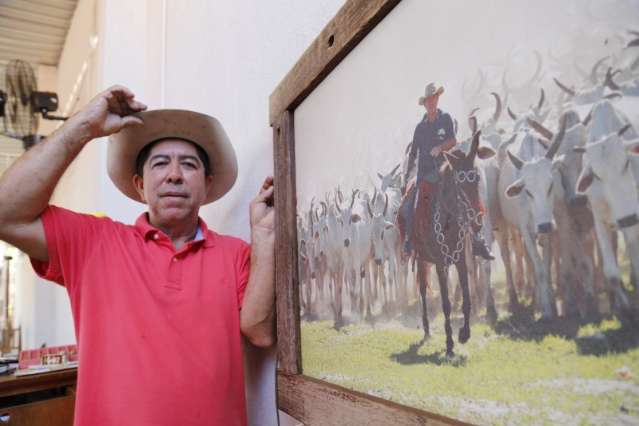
x,y
480,248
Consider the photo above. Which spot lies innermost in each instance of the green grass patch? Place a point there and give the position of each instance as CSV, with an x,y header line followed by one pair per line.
x,y
493,379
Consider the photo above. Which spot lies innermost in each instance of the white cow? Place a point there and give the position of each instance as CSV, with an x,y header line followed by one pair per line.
x,y
334,235
609,182
526,199
575,234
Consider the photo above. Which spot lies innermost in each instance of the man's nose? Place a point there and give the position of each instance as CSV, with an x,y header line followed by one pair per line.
x,y
175,173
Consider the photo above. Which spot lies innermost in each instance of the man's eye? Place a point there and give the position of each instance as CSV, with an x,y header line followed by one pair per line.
x,y
159,163
190,165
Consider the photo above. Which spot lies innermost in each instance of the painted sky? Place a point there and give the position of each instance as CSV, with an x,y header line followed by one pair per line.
x,y
362,116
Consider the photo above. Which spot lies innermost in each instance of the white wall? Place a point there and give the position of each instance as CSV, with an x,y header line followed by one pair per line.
x,y
218,57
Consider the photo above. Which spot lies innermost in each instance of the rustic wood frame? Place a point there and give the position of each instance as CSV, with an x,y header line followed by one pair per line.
x,y
307,399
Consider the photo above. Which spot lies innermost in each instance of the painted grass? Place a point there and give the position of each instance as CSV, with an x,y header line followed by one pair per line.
x,y
493,379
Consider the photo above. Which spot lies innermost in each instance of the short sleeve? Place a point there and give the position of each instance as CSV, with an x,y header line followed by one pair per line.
x,y
70,237
242,269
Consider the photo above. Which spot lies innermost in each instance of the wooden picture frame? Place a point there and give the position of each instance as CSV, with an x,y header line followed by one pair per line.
x,y
307,399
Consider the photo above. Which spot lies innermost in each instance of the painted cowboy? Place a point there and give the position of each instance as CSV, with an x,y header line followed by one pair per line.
x,y
433,135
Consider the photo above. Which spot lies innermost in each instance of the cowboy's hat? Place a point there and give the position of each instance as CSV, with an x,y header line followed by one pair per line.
x,y
431,90
200,129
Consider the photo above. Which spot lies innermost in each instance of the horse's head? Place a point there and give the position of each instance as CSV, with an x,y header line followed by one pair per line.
x,y
462,171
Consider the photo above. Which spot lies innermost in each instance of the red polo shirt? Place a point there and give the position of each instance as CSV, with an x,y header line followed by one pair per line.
x,y
157,328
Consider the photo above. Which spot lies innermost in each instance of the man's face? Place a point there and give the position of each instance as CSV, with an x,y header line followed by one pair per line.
x,y
173,184
431,103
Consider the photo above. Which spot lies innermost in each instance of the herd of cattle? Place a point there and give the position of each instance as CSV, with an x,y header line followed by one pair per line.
x,y
566,221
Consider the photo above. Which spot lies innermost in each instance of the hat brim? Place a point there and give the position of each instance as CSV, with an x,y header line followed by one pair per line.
x,y
438,92
201,129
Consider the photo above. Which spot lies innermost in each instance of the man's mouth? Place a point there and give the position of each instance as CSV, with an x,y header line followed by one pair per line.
x,y
173,195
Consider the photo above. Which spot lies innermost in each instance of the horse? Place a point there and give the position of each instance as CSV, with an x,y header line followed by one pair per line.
x,y
440,237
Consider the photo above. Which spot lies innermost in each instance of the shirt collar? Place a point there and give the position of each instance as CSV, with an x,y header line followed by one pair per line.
x,y
437,115
148,231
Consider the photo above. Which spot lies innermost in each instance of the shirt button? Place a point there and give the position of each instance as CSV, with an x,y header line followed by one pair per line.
x,y
175,259
156,236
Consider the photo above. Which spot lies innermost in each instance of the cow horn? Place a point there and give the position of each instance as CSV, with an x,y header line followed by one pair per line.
x,y
480,86
511,114
474,146
595,69
504,83
504,146
609,79
533,79
543,142
542,98
374,195
515,160
498,107
540,128
537,74
582,72
355,191
587,119
370,210
385,203
472,123
633,43
558,139
340,195
310,213
324,208
624,129
473,111
564,87
395,169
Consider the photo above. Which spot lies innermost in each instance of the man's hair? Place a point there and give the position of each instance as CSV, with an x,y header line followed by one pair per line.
x,y
146,151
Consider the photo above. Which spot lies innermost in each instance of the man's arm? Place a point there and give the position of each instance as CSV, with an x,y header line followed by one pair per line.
x,y
449,138
411,157
26,187
443,147
257,317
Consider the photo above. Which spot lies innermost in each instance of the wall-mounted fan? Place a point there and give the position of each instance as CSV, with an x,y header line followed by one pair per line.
x,y
22,104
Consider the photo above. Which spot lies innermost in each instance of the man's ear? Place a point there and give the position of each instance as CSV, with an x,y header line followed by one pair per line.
x,y
208,181
138,183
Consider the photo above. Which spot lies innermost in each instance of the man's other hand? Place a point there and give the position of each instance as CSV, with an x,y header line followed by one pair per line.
x,y
262,214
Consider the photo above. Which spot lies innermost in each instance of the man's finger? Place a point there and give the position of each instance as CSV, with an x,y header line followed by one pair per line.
x,y
268,181
136,106
121,89
131,120
265,194
114,104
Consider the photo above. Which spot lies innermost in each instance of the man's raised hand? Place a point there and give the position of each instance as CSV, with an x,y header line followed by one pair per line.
x,y
108,112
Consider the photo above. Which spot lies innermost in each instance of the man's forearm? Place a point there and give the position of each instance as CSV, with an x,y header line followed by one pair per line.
x,y
37,172
257,317
450,143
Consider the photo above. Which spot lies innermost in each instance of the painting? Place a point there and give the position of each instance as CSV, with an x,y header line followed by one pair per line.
x,y
466,213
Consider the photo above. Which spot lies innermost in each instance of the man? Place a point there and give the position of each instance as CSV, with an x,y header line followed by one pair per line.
x,y
158,307
433,135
